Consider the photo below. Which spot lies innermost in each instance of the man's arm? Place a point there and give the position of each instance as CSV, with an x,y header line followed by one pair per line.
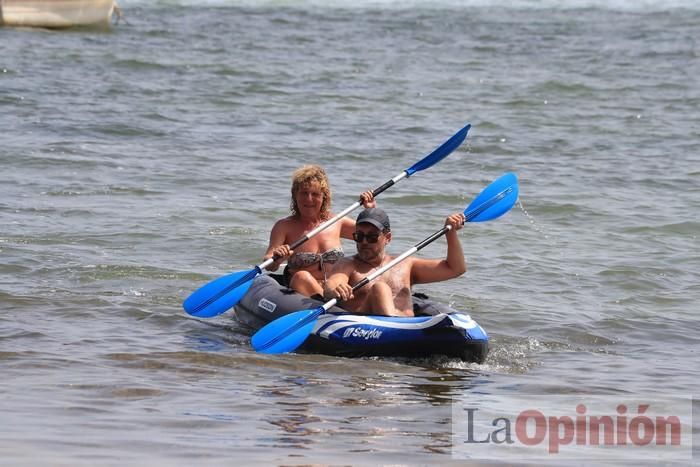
x,y
454,265
338,283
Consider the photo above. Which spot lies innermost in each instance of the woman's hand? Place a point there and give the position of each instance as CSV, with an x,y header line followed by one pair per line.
x,y
282,252
279,253
367,199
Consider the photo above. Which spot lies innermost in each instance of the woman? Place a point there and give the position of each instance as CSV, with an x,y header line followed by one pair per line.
x,y
309,265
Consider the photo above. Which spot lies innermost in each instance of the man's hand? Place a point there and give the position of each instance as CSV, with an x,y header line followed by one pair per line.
x,y
456,221
341,292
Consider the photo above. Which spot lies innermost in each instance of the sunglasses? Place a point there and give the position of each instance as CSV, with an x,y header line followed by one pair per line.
x,y
359,237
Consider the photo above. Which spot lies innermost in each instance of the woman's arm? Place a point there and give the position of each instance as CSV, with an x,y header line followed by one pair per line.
x,y
277,246
347,226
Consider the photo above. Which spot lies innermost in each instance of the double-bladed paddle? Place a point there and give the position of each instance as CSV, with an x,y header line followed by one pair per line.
x,y
219,295
287,333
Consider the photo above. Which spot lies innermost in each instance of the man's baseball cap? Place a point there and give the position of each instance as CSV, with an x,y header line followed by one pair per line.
x,y
375,216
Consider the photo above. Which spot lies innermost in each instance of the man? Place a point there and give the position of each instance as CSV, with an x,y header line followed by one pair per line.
x,y
390,293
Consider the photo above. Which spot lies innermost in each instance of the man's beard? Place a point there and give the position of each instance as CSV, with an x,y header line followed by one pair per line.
x,y
370,256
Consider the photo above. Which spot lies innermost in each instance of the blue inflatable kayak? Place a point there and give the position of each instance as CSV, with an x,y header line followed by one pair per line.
x,y
435,330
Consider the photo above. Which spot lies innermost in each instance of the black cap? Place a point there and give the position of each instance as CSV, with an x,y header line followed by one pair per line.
x,y
375,216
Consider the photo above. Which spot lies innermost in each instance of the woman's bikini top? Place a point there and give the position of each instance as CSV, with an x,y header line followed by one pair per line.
x,y
305,259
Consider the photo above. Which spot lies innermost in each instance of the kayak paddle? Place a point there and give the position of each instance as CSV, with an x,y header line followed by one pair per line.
x,y
219,295
287,333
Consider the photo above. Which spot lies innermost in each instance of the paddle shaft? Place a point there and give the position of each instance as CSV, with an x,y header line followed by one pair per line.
x,y
422,244
428,161
340,215
330,303
291,330
258,269
215,297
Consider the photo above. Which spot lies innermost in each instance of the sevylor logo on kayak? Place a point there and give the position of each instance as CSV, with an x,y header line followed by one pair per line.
x,y
362,333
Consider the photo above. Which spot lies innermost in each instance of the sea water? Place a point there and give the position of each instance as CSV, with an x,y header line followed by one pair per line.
x,y
145,160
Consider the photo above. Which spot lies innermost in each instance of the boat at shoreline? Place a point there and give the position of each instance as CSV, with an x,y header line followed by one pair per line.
x,y
435,330
57,14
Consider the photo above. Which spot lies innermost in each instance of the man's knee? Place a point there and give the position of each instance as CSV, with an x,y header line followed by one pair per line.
x,y
381,299
380,288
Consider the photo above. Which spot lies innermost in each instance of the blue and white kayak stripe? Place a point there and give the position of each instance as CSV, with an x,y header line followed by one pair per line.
x,y
327,324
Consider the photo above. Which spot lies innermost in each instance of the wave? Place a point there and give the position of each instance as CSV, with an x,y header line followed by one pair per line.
x,y
622,5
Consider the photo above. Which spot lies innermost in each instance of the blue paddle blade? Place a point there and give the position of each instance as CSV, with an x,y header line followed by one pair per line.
x,y
219,295
441,152
494,200
287,333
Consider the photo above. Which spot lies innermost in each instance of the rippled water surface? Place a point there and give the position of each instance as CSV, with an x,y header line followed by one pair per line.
x,y
140,162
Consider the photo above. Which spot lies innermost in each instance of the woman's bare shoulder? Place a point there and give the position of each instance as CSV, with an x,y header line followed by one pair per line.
x,y
286,222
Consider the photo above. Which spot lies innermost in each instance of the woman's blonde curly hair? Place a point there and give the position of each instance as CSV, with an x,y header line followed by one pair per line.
x,y
308,174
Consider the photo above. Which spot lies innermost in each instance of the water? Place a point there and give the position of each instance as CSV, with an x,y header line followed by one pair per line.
x,y
143,161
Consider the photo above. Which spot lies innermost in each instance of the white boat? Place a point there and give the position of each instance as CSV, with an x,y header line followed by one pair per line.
x,y
56,13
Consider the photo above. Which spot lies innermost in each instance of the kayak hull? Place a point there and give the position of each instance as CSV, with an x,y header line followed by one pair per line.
x,y
435,330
